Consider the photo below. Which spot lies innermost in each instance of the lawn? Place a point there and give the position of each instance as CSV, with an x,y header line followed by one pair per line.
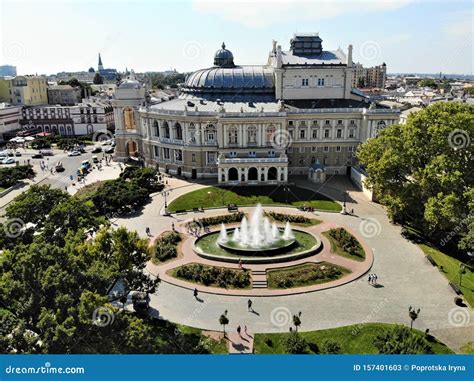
x,y
353,339
212,197
449,267
336,249
306,274
208,244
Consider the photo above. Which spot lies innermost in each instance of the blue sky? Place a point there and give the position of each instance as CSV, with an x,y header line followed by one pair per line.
x,y
409,35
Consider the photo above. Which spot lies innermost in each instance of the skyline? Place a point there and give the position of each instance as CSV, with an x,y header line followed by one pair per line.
x,y
184,35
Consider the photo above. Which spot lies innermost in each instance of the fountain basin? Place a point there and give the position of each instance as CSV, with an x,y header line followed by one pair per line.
x,y
279,245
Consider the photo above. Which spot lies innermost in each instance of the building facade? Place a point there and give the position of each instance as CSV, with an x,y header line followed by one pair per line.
x,y
372,77
9,120
64,95
81,119
254,124
24,90
7,71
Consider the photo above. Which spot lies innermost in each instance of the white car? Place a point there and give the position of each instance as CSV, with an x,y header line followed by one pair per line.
x,y
74,153
8,160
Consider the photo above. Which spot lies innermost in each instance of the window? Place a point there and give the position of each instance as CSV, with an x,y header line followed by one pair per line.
x,y
302,149
156,128
352,122
290,149
178,131
339,121
320,82
156,151
233,154
193,157
313,149
211,158
305,82
302,134
301,161
178,155
166,153
338,148
339,133
313,160
270,133
315,134
252,154
252,135
290,123
350,149
326,149
166,127
233,136
327,122
326,133
271,153
351,133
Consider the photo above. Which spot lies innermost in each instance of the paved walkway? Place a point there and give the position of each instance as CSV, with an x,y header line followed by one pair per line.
x,y
406,277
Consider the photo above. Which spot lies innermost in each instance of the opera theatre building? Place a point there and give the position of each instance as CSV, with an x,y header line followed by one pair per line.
x,y
258,124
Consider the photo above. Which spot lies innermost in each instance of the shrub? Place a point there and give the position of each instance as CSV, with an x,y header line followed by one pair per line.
x,y
217,220
295,343
346,241
211,275
292,218
401,340
165,251
144,177
331,347
9,176
172,237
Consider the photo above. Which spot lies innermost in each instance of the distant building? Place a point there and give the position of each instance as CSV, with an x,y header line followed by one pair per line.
x,y
81,76
24,90
109,75
81,119
64,95
372,77
9,120
7,71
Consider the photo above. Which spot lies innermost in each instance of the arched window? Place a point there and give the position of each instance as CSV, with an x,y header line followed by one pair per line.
x,y
178,131
270,133
156,128
211,133
233,135
166,129
252,135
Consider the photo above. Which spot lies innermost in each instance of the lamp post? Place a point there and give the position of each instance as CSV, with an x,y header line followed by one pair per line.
x,y
462,270
344,195
165,194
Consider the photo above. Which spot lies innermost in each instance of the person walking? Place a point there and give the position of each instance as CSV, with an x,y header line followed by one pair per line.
x,y
240,263
370,278
147,230
249,305
375,279
245,330
239,329
172,226
196,293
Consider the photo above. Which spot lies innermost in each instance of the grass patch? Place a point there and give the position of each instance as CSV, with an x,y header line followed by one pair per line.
x,y
337,249
468,348
306,274
208,344
449,267
213,276
208,244
352,339
87,191
212,197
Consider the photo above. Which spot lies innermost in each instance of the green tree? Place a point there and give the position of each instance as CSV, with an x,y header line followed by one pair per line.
x,y
331,347
295,343
428,83
98,80
401,340
420,170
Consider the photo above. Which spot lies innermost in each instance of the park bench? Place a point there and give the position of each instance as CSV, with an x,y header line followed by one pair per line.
x,y
232,208
455,288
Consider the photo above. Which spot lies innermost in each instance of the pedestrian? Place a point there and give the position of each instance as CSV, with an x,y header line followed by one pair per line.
x,y
240,263
196,293
245,330
249,305
239,329
370,278
352,211
147,230
65,188
375,279
172,226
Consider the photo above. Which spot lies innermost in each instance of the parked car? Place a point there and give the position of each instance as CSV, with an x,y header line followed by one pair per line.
x,y
59,167
86,164
17,153
109,150
8,160
37,156
46,152
74,153
97,149
95,159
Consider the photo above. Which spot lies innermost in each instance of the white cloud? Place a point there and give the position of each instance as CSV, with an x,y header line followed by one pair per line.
x,y
263,13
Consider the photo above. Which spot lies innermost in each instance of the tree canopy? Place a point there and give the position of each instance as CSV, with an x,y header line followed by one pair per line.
x,y
423,171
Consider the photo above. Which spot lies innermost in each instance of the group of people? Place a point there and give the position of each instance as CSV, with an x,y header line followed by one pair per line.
x,y
373,279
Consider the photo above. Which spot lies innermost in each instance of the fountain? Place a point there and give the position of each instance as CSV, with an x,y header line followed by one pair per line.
x,y
256,234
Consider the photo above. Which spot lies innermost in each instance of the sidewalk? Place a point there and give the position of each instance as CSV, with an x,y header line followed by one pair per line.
x,y
107,172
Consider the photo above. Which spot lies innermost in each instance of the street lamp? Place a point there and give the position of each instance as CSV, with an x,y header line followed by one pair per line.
x,y
462,270
165,194
344,195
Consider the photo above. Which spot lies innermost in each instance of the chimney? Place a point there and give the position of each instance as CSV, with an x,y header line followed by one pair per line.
x,y
349,56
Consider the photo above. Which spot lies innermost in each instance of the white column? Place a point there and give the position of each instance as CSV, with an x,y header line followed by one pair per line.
x,y
226,174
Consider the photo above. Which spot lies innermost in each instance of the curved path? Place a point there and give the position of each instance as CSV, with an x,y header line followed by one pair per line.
x,y
406,278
